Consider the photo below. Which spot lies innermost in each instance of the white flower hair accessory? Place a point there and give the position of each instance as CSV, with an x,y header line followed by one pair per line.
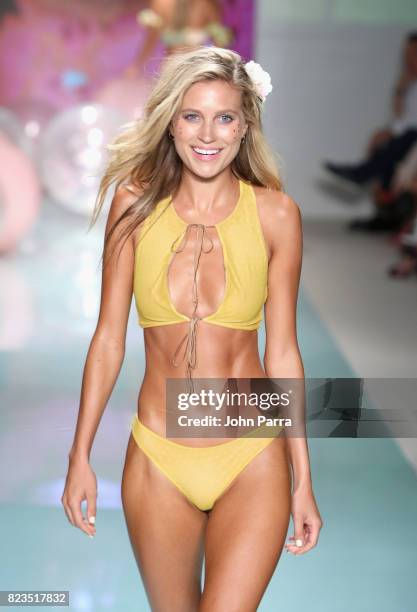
x,y
261,79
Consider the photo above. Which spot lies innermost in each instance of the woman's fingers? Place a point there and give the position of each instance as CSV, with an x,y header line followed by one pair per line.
x,y
296,543
76,518
298,540
68,511
75,506
313,536
81,484
91,511
304,540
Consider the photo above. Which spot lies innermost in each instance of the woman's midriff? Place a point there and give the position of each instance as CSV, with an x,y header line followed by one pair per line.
x,y
222,353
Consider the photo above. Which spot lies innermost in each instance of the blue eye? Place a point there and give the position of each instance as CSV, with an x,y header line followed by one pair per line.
x,y
194,116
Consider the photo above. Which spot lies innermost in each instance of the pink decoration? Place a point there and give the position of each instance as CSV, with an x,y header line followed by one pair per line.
x,y
20,194
125,94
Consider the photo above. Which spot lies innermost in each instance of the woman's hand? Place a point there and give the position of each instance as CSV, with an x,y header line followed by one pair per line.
x,y
80,484
307,521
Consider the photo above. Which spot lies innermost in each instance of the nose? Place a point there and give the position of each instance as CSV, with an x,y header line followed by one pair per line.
x,y
207,132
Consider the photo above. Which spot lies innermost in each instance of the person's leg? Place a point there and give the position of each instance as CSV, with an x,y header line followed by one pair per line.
x,y
388,216
407,264
246,532
166,533
380,164
397,150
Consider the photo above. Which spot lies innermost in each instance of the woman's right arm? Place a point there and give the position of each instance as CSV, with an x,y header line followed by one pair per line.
x,y
103,363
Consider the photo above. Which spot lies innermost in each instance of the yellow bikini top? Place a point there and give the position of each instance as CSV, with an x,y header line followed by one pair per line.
x,y
165,233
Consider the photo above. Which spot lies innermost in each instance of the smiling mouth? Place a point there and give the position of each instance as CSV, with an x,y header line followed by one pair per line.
x,y
207,153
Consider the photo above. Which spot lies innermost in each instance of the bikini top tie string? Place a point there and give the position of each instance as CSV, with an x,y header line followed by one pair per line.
x,y
190,338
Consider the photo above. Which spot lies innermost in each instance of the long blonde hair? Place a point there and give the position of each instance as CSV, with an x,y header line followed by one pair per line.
x,y
144,155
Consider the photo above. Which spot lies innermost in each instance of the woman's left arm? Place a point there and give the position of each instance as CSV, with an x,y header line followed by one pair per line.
x,y
282,359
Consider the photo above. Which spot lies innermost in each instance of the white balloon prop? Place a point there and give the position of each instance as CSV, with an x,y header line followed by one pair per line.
x,y
20,194
33,115
73,154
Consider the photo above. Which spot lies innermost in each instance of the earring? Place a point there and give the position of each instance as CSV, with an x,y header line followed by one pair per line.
x,y
243,140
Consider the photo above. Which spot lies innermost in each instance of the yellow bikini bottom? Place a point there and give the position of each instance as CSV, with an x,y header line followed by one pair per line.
x,y
202,474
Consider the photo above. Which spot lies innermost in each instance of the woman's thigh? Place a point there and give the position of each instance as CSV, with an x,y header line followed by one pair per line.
x,y
166,533
246,533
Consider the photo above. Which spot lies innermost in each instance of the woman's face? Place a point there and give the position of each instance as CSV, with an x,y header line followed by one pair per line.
x,y
209,127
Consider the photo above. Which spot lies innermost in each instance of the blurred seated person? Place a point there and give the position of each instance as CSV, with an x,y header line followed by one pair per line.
x,y
181,25
399,214
394,208
405,182
407,264
391,144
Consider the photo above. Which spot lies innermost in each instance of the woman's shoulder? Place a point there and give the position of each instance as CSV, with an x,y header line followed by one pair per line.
x,y
276,206
280,218
125,194
128,187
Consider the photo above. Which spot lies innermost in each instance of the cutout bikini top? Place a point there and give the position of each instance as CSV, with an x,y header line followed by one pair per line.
x,y
164,234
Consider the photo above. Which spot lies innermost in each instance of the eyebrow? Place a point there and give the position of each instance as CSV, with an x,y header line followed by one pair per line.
x,y
227,110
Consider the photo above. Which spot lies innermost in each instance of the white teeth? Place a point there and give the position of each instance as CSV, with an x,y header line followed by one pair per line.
x,y
206,151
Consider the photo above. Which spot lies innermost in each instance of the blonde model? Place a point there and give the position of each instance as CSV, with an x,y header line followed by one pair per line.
x,y
202,235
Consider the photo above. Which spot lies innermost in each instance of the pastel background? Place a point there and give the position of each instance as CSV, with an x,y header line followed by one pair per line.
x,y
62,52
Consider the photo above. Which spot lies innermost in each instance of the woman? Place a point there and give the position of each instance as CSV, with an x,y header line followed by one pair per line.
x,y
181,25
205,236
